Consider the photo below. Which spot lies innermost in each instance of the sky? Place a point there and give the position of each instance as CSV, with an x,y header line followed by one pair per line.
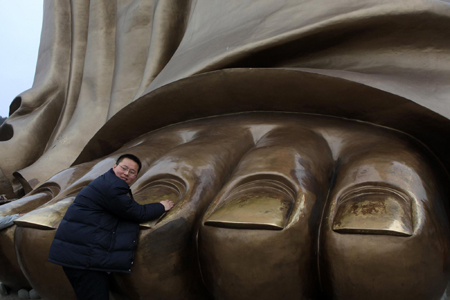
x,y
20,31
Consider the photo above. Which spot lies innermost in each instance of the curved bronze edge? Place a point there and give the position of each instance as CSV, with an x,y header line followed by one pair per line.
x,y
168,180
5,186
366,187
240,225
373,232
50,187
33,225
27,187
233,91
25,204
257,204
15,104
275,181
151,224
371,208
46,217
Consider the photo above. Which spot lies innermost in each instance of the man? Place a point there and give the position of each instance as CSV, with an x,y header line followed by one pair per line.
x,y
99,231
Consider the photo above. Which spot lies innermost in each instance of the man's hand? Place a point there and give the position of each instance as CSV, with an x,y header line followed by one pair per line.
x,y
167,204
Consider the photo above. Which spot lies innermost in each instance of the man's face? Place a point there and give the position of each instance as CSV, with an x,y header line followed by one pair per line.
x,y
127,170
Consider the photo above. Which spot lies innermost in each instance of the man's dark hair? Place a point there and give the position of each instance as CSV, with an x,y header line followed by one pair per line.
x,y
132,157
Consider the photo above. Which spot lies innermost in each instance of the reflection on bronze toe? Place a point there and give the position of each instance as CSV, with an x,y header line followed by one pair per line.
x,y
261,204
170,188
26,204
375,210
47,217
378,238
259,234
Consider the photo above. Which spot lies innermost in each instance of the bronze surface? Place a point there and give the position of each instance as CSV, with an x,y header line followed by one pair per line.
x,y
268,204
374,210
256,205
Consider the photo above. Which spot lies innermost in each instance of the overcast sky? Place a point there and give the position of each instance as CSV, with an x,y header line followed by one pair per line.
x,y
20,31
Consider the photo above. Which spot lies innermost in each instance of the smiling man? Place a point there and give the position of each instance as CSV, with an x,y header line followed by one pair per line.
x,y
99,232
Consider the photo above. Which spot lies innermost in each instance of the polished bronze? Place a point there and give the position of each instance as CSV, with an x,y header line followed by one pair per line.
x,y
261,197
304,144
381,210
261,204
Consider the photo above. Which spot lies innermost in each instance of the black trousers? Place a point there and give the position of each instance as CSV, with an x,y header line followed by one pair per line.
x,y
87,284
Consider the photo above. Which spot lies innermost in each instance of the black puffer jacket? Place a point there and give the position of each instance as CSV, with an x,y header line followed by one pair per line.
x,y
101,227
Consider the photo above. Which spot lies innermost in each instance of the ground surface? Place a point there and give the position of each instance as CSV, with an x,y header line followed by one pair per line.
x,y
10,296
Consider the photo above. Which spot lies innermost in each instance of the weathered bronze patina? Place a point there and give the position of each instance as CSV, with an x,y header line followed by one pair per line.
x,y
303,142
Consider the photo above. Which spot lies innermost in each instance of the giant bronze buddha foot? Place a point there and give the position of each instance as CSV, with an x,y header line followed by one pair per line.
x,y
268,206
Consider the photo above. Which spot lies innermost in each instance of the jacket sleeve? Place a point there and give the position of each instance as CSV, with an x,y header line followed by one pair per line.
x,y
7,221
121,204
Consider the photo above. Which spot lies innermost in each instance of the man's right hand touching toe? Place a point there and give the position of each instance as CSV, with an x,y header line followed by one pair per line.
x,y
167,204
